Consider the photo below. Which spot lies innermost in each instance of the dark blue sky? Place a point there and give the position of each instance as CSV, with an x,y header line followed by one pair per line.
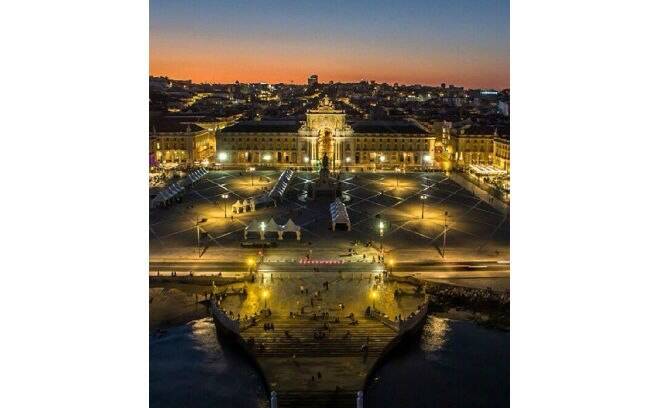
x,y
464,42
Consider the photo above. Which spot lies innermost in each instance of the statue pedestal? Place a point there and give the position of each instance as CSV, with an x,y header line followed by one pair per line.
x,y
325,185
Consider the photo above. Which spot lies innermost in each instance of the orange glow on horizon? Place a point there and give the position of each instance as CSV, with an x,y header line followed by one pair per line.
x,y
293,66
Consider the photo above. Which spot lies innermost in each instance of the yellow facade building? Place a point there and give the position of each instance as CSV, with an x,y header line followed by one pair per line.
x,y
501,152
181,143
363,144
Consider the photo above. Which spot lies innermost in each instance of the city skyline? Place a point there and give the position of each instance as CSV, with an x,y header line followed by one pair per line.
x,y
462,43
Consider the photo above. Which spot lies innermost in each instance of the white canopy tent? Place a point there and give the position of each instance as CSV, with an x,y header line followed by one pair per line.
x,y
339,215
254,226
271,226
483,170
290,226
167,194
261,227
236,207
249,202
281,184
195,175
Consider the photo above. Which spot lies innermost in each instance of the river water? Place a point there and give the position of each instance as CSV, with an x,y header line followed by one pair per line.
x,y
452,364
188,367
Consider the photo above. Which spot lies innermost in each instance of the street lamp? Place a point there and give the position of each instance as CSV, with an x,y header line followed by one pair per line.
x,y
265,296
391,265
427,158
198,247
224,197
374,296
423,198
381,225
250,263
251,172
443,253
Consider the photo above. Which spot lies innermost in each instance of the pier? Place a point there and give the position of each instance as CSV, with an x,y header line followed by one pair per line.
x,y
316,360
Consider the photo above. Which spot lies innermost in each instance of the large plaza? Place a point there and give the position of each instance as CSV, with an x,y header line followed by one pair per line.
x,y
412,216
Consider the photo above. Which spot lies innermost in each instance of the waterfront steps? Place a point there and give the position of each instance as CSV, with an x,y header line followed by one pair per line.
x,y
303,344
291,364
317,399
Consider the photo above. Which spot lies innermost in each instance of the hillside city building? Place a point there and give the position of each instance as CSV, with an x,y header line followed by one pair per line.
x,y
366,126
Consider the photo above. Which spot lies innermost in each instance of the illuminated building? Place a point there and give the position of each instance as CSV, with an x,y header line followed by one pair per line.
x,y
366,144
185,143
501,152
473,145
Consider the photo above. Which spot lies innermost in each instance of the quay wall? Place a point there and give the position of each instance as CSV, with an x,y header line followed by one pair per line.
x,y
229,330
408,328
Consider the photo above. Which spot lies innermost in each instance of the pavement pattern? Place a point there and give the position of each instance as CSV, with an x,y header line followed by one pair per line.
x,y
474,229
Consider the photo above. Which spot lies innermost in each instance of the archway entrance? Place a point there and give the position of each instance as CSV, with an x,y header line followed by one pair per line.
x,y
325,144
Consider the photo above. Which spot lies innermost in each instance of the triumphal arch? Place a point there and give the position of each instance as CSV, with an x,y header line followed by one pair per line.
x,y
327,132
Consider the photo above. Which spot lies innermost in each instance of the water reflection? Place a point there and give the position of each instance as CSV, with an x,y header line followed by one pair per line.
x,y
435,334
453,364
189,368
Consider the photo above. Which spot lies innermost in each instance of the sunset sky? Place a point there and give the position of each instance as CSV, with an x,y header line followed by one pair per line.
x,y
462,42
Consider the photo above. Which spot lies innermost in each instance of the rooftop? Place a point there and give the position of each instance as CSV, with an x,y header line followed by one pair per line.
x,y
381,126
172,126
264,126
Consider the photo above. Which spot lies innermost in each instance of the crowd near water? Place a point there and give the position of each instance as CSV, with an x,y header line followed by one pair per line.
x,y
451,363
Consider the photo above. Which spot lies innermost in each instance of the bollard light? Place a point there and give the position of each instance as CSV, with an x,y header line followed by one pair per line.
x,y
359,401
274,400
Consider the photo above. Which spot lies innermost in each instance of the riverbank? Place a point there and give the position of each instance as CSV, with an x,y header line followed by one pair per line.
x,y
177,303
189,367
453,364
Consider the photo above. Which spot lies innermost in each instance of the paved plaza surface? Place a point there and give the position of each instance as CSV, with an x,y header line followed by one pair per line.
x,y
476,231
303,369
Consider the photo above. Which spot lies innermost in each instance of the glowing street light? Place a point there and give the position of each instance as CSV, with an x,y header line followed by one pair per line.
x,y
221,156
423,198
374,296
381,226
382,158
443,253
265,296
251,171
197,227
224,197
